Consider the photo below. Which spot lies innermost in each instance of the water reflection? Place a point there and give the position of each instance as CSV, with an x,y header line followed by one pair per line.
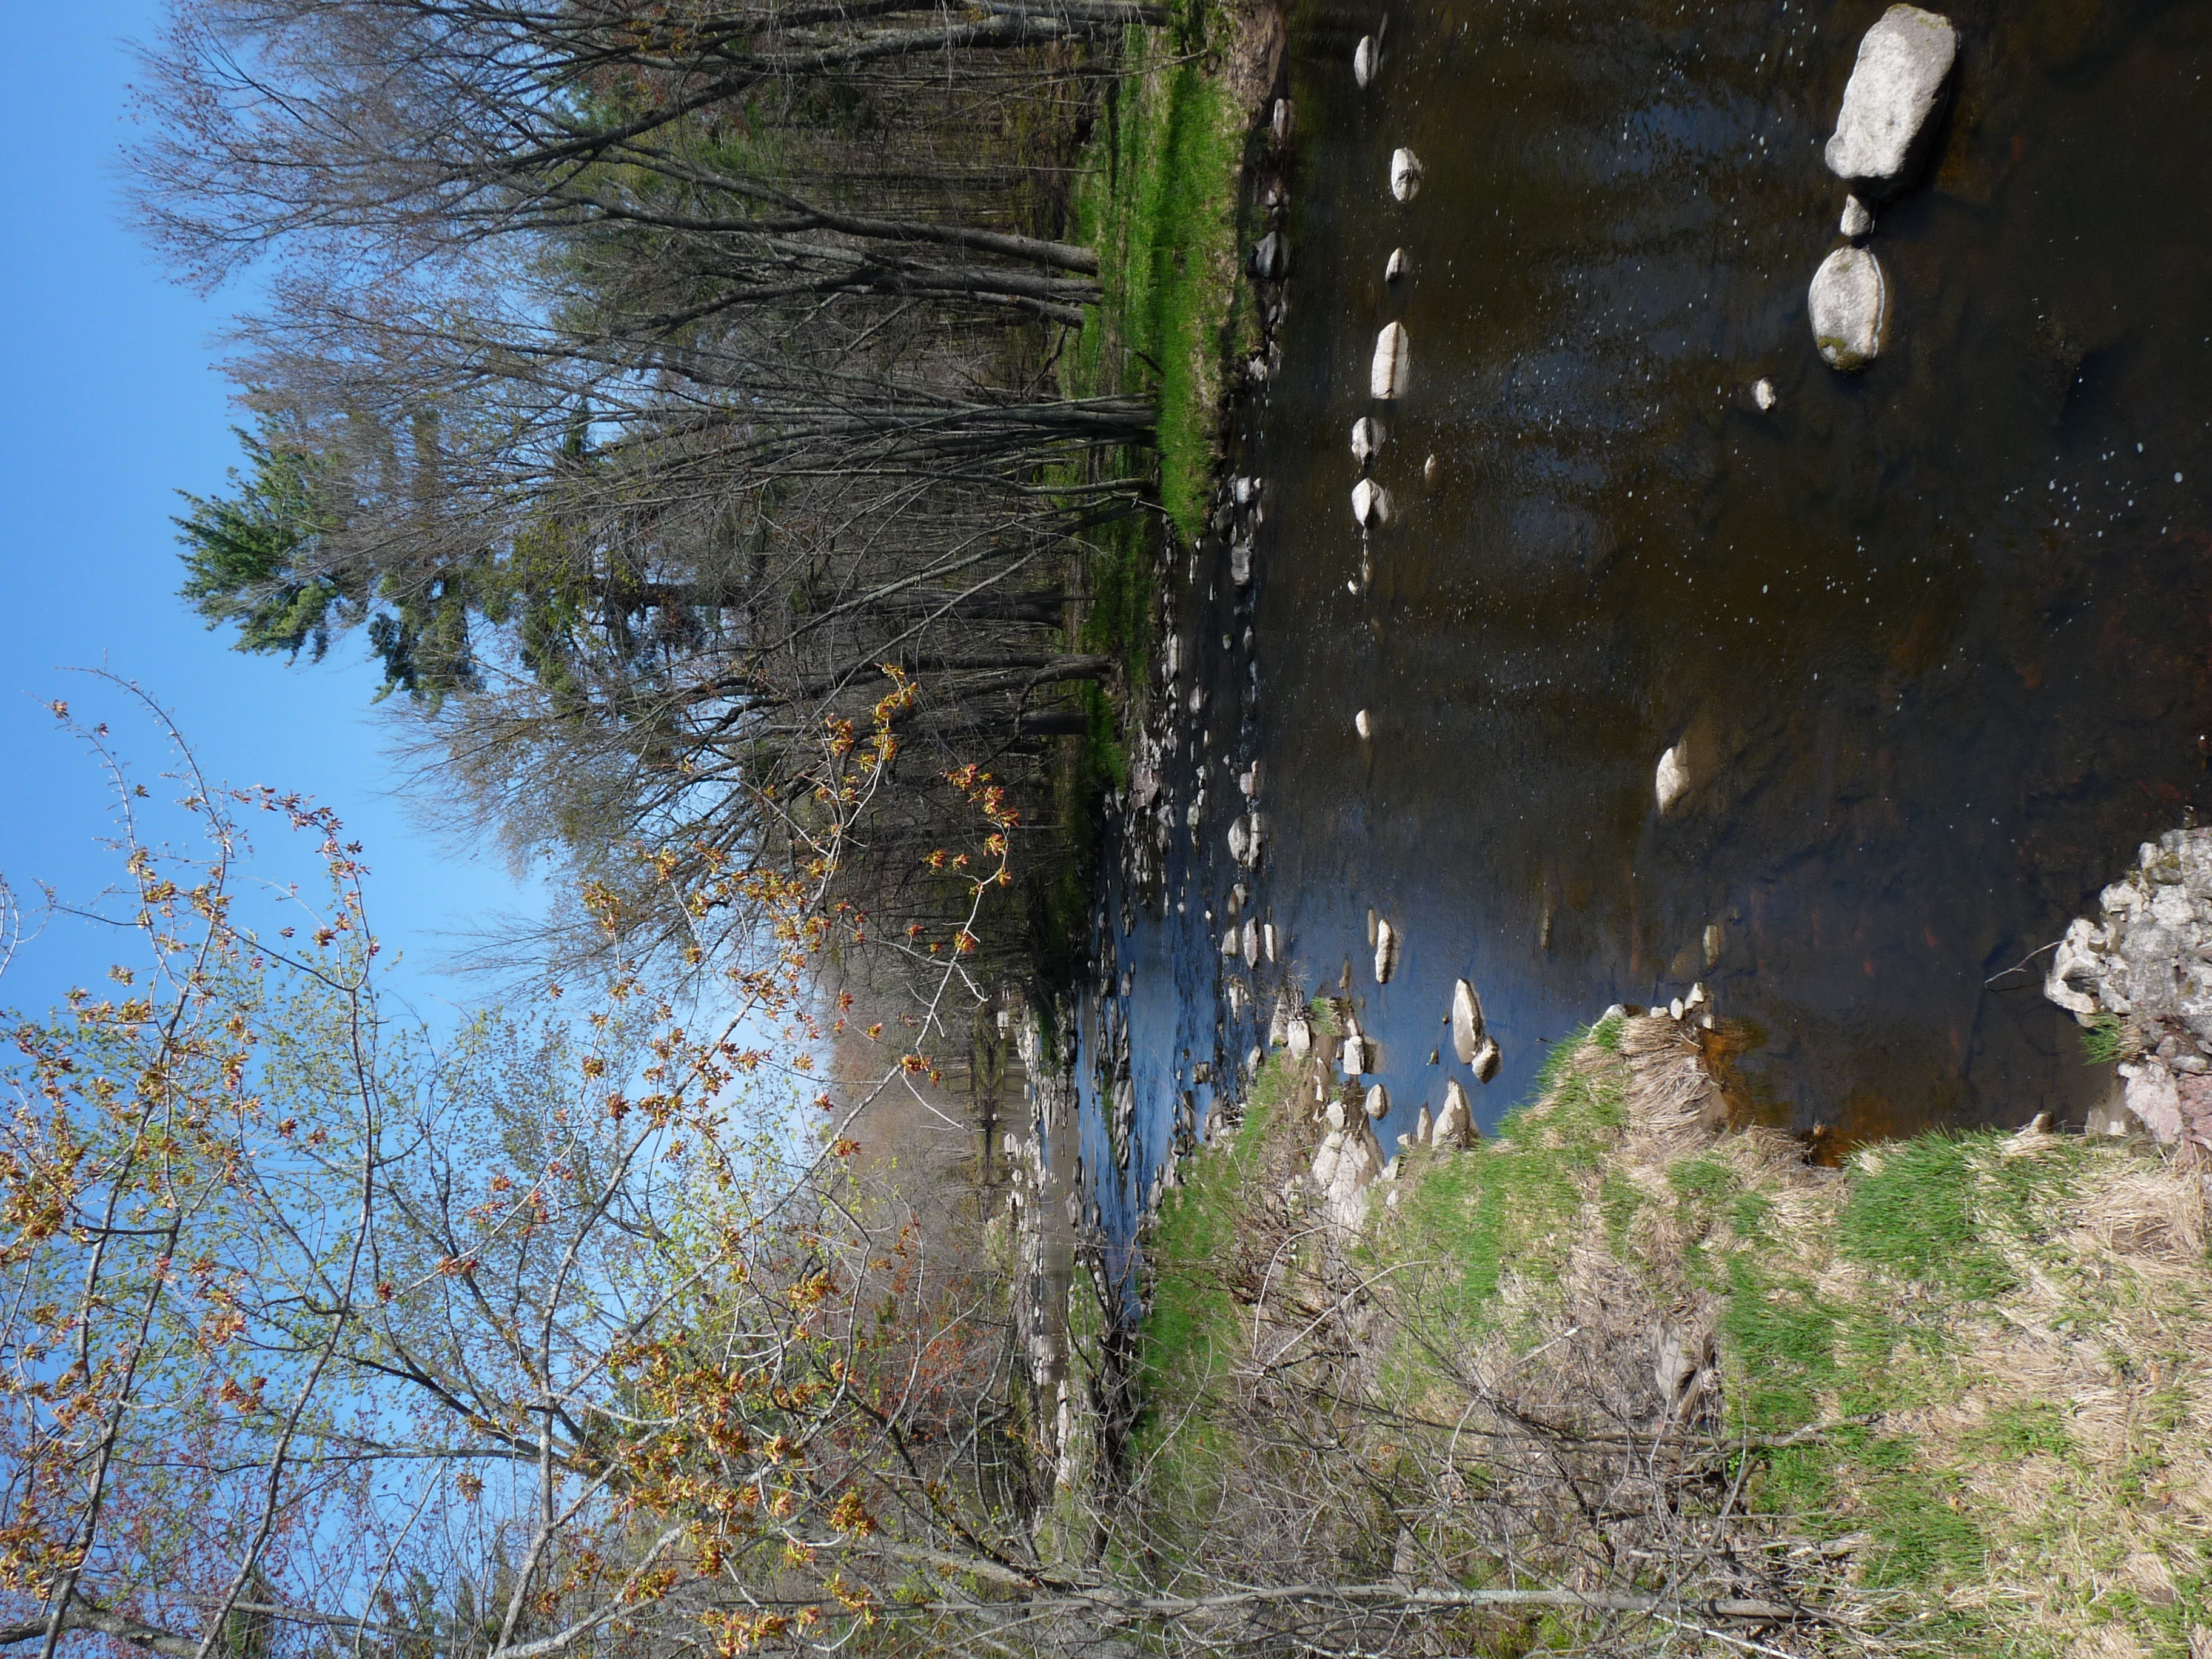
x,y
1941,635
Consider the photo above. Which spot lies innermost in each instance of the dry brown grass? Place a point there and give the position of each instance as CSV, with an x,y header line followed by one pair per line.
x,y
1956,1396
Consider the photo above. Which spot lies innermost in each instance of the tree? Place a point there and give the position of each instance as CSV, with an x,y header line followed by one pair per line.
x,y
629,376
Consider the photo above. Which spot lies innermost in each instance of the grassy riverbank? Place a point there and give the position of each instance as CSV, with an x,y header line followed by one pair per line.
x,y
1158,193
1158,201
1956,1394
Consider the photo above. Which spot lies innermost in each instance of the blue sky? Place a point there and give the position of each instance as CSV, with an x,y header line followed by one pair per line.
x,y
111,405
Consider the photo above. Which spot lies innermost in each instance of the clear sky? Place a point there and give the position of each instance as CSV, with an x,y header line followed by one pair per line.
x,y
112,404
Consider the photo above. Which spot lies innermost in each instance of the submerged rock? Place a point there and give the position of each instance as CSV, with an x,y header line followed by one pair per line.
x,y
1364,58
1466,1021
1890,102
1370,504
1386,953
1848,307
1672,780
1405,174
1240,563
1271,257
1393,368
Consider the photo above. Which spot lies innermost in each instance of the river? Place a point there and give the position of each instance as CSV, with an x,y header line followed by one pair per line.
x,y
1939,635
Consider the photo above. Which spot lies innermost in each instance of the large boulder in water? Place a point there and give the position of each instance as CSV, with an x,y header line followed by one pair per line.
x,y
1393,368
1405,174
1465,1020
1849,307
1890,105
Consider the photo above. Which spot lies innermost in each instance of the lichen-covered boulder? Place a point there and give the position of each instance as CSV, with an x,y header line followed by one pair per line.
x,y
1848,307
1890,104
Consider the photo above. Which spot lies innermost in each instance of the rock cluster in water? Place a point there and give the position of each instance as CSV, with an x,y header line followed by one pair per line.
x,y
1883,132
2142,968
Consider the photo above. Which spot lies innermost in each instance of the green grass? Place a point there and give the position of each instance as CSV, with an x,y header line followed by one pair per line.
x,y
1159,202
1157,195
1192,1319
1880,1308
2104,1040
1516,1201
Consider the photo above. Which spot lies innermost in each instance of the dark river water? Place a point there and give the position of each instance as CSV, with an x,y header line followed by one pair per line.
x,y
1939,637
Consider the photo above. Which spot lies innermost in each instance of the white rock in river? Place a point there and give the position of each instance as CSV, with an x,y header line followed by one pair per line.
x,y
1361,725
1763,395
1849,307
1278,1026
1230,942
1405,174
1297,1037
1424,1127
1370,504
1251,943
1362,59
1857,222
1267,941
1672,779
1240,563
1465,1020
1395,266
1393,369
1354,1058
1386,951
1378,1103
1895,89
1487,1059
1240,839
1455,1125
1366,440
